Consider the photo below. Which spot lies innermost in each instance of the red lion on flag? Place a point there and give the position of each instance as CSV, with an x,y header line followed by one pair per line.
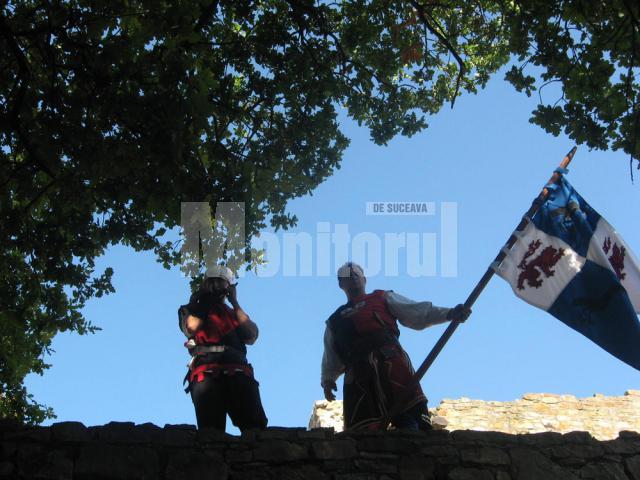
x,y
543,263
617,257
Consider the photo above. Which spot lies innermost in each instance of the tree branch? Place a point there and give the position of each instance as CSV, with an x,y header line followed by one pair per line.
x,y
39,195
23,76
426,20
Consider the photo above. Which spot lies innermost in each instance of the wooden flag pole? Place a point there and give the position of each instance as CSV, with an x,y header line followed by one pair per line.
x,y
435,351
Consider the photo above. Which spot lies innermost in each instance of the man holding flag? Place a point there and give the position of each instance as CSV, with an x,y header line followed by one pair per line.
x,y
566,259
361,341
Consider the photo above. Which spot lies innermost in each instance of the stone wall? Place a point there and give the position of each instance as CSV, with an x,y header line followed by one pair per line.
x,y
326,414
125,451
603,417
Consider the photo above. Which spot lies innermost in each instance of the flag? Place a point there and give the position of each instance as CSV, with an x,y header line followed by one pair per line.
x,y
570,262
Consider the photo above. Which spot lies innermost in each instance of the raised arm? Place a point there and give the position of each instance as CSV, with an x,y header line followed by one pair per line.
x,y
415,315
248,327
419,315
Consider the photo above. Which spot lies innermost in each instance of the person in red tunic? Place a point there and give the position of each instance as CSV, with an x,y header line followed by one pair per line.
x,y
220,378
361,341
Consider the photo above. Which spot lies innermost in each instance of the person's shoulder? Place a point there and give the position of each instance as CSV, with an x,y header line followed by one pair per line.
x,y
336,314
338,310
380,293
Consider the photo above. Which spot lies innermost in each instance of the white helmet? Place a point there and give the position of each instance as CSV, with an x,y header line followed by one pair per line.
x,y
345,270
220,271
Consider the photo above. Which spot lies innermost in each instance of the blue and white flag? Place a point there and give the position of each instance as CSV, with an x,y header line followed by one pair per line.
x,y
570,262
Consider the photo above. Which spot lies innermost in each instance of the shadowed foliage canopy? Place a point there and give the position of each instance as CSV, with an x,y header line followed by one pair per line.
x,y
113,112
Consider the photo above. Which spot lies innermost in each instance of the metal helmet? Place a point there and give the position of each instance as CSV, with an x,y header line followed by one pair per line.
x,y
220,271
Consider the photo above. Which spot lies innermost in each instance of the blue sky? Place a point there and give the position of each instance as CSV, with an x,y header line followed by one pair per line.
x,y
485,157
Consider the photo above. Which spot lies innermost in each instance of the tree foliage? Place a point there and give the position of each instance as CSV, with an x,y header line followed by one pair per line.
x,y
591,51
113,112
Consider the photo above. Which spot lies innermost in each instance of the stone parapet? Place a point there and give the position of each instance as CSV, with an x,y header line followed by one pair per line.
x,y
69,450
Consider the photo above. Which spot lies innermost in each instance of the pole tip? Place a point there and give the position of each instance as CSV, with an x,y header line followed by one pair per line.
x,y
572,151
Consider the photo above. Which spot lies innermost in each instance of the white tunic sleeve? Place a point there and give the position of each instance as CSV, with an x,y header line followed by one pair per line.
x,y
332,367
416,315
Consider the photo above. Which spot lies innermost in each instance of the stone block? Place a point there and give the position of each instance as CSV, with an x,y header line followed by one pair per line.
x,y
7,449
440,451
574,451
10,425
251,474
436,437
278,451
179,435
70,432
28,454
438,422
462,473
305,472
417,466
212,435
181,426
334,449
327,414
44,465
633,467
500,475
541,439
249,436
388,443
360,434
621,446
189,465
482,437
379,465
238,455
280,433
485,456
378,455
571,462
603,471
355,476
316,434
581,438
100,460
528,464
416,476
337,466
29,434
149,433
6,469
117,432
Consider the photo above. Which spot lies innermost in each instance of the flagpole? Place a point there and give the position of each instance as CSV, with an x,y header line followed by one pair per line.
x,y
475,293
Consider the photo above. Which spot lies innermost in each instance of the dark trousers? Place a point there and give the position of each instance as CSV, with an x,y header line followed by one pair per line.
x,y
415,419
236,395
